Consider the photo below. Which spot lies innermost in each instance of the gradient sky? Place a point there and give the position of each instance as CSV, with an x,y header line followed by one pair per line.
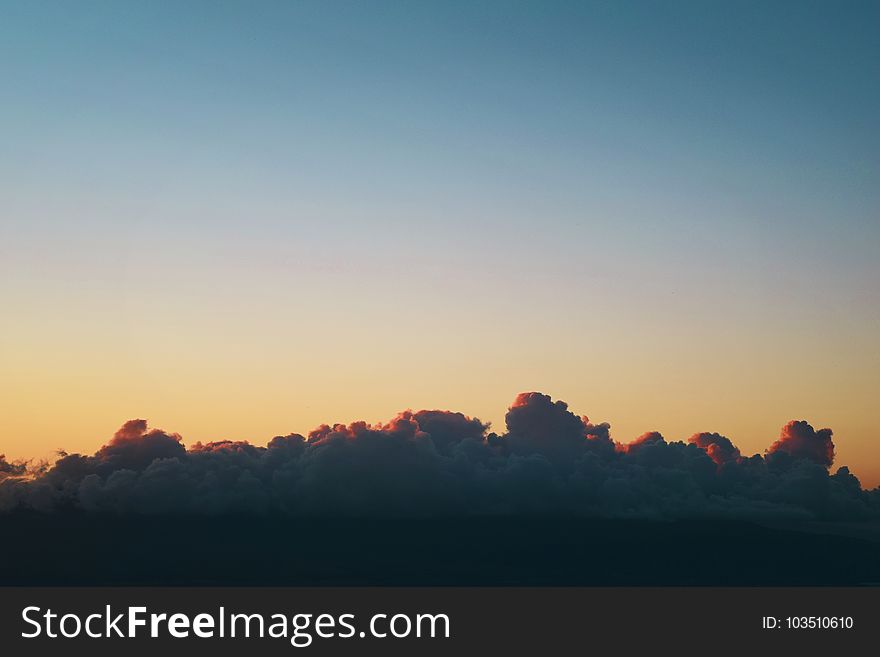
x,y
244,219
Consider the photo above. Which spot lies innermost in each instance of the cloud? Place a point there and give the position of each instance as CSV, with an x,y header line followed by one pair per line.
x,y
134,447
719,448
648,439
538,425
434,462
8,469
799,440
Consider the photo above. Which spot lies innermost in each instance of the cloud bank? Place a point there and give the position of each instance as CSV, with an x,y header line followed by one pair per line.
x,y
441,463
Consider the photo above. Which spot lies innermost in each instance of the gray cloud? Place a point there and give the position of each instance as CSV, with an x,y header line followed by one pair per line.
x,y
434,462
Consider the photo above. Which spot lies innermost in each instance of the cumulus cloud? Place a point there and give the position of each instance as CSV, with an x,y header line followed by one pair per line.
x,y
134,447
435,462
718,447
799,440
538,425
648,439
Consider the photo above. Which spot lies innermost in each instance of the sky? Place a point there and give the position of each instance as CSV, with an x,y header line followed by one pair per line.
x,y
239,220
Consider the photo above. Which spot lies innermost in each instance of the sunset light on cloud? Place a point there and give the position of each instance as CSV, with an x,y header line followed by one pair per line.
x,y
444,464
246,224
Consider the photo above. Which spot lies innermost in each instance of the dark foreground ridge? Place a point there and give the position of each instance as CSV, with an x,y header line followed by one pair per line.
x,y
97,549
